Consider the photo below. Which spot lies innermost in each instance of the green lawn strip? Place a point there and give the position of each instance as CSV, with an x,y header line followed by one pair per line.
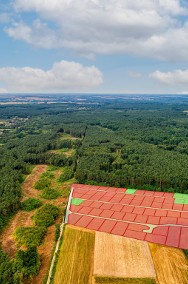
x,y
109,280
181,201
130,191
180,196
76,201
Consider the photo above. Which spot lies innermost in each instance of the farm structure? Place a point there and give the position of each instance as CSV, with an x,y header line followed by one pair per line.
x,y
156,217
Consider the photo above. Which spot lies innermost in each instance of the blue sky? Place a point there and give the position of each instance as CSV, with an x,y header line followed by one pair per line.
x,y
98,46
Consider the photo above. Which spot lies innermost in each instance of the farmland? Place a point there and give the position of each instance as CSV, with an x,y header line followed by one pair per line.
x,y
117,257
171,264
75,258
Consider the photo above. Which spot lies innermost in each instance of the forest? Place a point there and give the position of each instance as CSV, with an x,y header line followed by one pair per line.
x,y
122,143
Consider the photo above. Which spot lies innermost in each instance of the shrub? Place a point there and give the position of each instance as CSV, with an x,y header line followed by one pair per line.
x,y
30,204
66,175
42,183
57,232
29,236
50,193
6,269
27,262
46,215
48,175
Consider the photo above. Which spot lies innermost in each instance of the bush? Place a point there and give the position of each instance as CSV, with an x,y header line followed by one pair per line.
x,y
30,204
27,262
29,236
6,269
46,215
66,175
42,183
185,253
50,193
48,175
57,232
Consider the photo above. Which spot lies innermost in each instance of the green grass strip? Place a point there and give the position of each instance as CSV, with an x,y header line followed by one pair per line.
x,y
180,196
130,191
107,280
76,201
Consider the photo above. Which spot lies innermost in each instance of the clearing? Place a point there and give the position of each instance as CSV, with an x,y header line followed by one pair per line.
x,y
22,218
75,258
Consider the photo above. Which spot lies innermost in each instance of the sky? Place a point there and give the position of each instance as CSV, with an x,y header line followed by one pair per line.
x,y
94,46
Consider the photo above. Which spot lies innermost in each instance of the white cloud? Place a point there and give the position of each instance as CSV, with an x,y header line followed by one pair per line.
x,y
171,78
144,28
62,76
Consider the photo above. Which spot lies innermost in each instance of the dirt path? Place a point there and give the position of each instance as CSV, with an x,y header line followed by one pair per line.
x,y
28,190
22,218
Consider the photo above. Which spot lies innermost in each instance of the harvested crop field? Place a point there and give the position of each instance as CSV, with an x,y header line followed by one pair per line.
x,y
120,257
75,260
171,264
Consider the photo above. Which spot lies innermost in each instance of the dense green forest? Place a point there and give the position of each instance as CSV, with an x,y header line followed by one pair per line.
x,y
116,142
121,142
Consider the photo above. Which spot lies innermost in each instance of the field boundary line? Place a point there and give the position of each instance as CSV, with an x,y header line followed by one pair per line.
x,y
68,206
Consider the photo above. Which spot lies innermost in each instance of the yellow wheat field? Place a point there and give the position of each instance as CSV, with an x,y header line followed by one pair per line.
x,y
170,264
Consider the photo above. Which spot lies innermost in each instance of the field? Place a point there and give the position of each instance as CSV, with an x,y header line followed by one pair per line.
x,y
154,217
75,258
117,257
170,264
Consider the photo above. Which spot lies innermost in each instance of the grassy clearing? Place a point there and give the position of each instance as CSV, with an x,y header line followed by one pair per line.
x,y
171,264
117,257
75,258
29,236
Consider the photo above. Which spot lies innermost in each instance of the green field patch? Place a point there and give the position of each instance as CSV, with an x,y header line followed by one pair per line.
x,y
130,191
76,201
180,196
75,258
